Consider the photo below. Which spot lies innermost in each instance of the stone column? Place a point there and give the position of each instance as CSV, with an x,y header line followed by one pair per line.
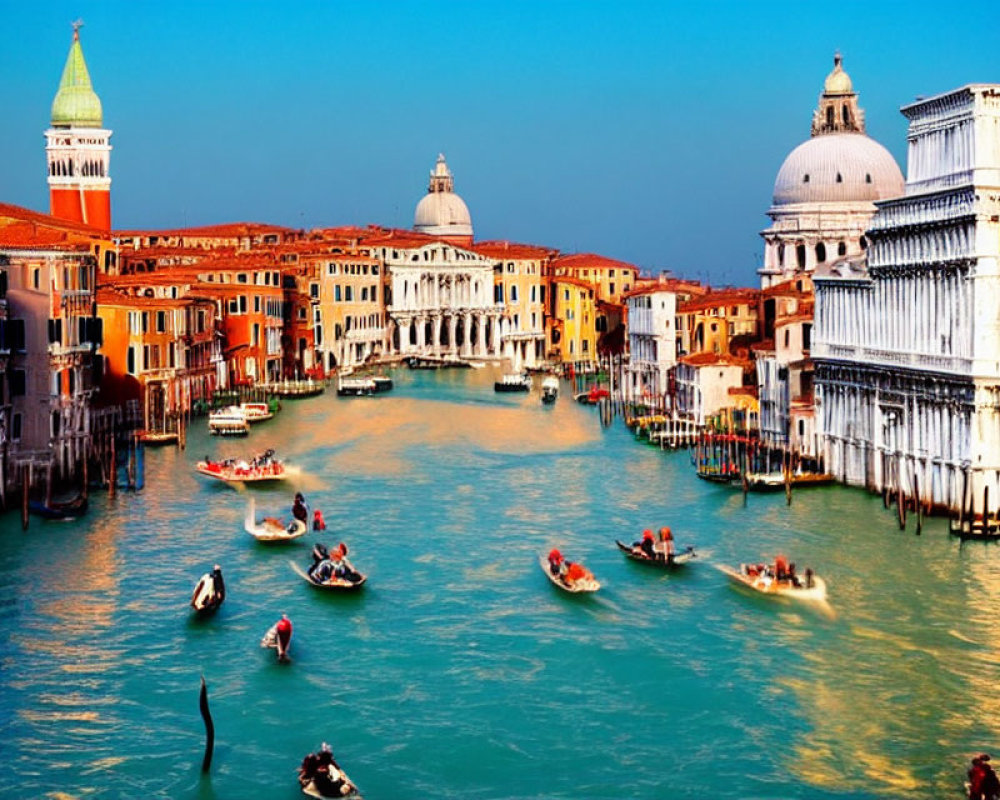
x,y
435,334
495,344
467,340
481,335
404,336
452,325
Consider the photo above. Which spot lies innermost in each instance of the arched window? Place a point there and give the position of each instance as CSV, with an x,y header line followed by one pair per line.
x,y
840,178
829,116
868,177
781,255
805,178
842,249
846,114
864,243
821,252
800,253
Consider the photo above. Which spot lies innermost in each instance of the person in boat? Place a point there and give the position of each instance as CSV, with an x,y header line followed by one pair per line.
x,y
558,566
318,522
342,568
983,781
793,578
645,547
324,773
319,553
284,636
299,508
781,569
665,548
218,585
323,571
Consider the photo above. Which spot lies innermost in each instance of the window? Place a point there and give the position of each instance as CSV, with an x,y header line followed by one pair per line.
x,y
243,304
805,178
839,178
841,249
612,288
161,321
821,252
585,346
15,428
131,360
787,337
364,293
336,293
348,294
513,294
145,322
18,383
145,357
256,304
571,348
314,290
498,293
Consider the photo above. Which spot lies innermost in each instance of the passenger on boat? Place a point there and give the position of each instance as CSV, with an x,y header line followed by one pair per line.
x,y
574,572
324,772
646,545
299,509
665,550
319,554
284,631
342,568
318,523
323,571
792,577
218,585
983,781
557,564
781,569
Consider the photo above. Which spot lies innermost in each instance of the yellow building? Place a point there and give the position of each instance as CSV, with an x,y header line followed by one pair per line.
x,y
572,330
610,278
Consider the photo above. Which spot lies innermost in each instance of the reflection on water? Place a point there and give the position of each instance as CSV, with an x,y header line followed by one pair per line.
x,y
460,672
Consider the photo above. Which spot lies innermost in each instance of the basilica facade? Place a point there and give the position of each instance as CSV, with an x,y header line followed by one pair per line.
x,y
907,341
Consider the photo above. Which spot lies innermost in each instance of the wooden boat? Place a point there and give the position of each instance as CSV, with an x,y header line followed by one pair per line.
x,y
593,396
334,584
717,476
550,389
157,438
679,559
294,389
775,481
763,583
228,422
363,386
586,584
60,510
270,529
513,382
978,534
335,784
261,469
256,412
209,593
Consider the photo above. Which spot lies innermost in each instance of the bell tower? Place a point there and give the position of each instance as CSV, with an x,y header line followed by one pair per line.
x,y
838,111
78,147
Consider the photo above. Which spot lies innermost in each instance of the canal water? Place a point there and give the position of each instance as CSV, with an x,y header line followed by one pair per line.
x,y
460,672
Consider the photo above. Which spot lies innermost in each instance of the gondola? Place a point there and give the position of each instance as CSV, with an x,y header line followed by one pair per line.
x,y
270,529
321,776
209,593
677,560
333,584
811,588
550,389
584,585
66,510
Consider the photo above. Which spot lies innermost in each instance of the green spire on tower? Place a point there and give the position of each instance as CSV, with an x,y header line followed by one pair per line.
x,y
76,103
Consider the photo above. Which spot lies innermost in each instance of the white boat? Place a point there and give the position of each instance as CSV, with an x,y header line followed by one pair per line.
x,y
228,422
270,529
810,587
256,412
513,382
550,389
587,583
363,386
262,469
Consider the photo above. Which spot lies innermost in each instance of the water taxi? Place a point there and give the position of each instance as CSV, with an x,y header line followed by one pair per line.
x,y
363,386
761,579
256,412
228,422
259,469
513,382
550,389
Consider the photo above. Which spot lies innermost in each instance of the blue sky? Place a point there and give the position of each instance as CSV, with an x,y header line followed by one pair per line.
x,y
649,132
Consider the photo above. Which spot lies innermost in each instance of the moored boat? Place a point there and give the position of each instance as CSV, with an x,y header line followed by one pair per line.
x,y
270,529
259,469
363,386
256,412
685,556
576,580
513,382
592,396
550,389
60,510
775,481
157,438
761,579
228,422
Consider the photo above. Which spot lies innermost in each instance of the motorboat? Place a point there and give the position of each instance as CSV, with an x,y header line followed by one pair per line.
x,y
363,386
60,510
761,579
209,592
270,529
513,382
592,396
229,421
321,776
776,481
550,389
157,438
584,582
685,556
263,468
256,412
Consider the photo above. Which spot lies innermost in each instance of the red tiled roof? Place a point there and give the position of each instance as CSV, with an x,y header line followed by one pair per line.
x,y
714,359
504,249
9,211
675,285
576,261
222,230
721,297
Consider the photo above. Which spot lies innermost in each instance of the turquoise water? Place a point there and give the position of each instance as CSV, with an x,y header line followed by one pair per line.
x,y
460,672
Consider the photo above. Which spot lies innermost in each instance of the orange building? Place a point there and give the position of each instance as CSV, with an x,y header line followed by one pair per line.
x,y
610,278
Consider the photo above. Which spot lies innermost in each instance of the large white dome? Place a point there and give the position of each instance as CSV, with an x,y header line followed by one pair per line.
x,y
838,167
442,214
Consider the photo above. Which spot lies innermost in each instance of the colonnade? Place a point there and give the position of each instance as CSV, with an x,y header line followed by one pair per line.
x,y
464,333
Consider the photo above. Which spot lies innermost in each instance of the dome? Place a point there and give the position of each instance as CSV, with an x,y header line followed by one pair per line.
x,y
442,214
838,81
836,168
76,104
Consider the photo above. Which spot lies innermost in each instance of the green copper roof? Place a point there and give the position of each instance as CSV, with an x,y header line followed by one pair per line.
x,y
76,102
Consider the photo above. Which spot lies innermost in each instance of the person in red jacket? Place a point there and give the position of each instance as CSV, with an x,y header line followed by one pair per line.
x,y
284,631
